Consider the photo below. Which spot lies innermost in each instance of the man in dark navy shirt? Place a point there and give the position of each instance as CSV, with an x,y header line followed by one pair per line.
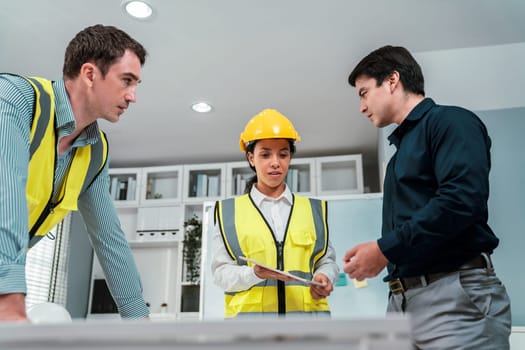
x,y
435,240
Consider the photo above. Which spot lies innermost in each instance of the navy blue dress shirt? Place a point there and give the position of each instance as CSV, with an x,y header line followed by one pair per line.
x,y
436,191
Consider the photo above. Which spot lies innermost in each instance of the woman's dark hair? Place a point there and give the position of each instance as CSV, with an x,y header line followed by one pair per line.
x,y
379,64
102,45
249,149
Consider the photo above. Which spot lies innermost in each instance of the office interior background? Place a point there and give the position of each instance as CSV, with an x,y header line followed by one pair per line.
x,y
295,56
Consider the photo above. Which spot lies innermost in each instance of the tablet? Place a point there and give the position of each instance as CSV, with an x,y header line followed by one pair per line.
x,y
297,278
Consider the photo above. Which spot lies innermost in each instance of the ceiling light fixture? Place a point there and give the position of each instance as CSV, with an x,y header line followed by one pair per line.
x,y
138,9
201,107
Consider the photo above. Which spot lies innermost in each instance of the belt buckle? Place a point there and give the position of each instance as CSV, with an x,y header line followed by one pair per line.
x,y
396,286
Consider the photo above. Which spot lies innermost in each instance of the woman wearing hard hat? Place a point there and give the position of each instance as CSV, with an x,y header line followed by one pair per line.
x,y
271,252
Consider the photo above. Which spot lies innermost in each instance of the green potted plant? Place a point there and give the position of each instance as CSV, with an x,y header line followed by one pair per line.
x,y
192,261
192,248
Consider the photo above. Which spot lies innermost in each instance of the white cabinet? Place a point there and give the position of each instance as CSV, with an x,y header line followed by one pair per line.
x,y
159,224
339,175
157,264
161,185
148,201
237,176
153,204
204,182
124,186
152,216
300,177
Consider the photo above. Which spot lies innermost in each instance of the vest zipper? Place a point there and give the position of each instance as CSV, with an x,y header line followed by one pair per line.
x,y
45,213
281,293
280,262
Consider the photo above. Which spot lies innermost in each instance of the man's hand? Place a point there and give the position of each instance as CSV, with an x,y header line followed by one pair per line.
x,y
364,260
13,307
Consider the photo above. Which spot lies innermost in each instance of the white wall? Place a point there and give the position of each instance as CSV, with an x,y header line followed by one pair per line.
x,y
480,78
517,338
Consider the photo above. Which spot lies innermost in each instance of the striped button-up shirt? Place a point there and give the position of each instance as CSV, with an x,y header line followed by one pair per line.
x,y
17,100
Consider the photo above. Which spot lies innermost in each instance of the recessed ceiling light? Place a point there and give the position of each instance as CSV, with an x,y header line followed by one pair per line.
x,y
138,9
201,107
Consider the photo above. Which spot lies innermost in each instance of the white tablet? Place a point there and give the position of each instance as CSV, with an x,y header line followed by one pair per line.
x,y
297,278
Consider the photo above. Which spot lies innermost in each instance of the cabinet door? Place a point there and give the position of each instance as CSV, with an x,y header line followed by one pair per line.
x,y
162,185
124,186
159,224
160,276
339,175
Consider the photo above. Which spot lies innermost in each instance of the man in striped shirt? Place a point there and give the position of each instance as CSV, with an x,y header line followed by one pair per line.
x,y
53,159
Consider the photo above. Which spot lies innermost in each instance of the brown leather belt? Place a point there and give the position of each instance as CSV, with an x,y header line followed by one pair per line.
x,y
400,285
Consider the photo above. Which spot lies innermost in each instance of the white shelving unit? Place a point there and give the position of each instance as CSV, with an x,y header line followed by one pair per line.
x,y
154,202
154,262
152,218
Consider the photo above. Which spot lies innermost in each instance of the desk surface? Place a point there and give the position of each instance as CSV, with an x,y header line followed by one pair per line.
x,y
389,333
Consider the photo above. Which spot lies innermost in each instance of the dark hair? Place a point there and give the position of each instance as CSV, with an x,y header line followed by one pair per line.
x,y
102,45
379,64
249,148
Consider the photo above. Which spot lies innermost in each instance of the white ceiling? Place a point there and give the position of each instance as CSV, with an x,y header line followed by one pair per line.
x,y
247,55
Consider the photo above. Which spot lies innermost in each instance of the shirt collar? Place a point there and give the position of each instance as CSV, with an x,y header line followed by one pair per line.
x,y
258,197
65,119
412,118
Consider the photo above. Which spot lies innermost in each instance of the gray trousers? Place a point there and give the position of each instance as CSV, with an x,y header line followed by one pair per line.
x,y
467,309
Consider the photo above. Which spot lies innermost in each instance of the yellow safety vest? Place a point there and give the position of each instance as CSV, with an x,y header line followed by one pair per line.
x,y
87,163
246,233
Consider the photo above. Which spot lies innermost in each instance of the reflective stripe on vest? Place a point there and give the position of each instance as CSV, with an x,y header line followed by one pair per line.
x,y
87,163
245,232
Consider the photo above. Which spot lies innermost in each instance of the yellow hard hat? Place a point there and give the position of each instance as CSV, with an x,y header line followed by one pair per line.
x,y
269,124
